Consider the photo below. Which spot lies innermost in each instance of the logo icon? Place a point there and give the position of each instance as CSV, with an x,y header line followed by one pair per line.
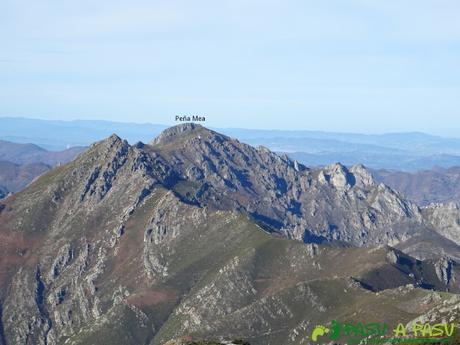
x,y
318,331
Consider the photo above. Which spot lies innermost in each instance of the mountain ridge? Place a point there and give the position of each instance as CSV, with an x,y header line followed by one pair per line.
x,y
193,237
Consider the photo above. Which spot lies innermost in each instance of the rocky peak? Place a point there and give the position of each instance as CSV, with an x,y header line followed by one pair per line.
x,y
182,131
363,177
106,148
338,176
113,138
341,177
108,142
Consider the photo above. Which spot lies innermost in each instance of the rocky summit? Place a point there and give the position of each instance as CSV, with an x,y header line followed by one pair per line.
x,y
198,238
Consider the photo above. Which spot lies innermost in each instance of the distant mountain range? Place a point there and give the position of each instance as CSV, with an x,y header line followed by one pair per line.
x,y
60,135
398,151
426,186
21,163
197,236
31,153
14,177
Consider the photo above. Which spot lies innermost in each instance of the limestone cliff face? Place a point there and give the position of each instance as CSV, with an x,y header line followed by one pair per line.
x,y
330,204
181,237
445,218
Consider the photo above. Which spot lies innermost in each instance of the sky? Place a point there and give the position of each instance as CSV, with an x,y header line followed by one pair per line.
x,y
350,66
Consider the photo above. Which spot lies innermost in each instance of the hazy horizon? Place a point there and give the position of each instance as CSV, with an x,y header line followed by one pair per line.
x,y
173,123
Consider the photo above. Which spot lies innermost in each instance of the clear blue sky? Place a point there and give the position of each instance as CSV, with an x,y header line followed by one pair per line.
x,y
354,65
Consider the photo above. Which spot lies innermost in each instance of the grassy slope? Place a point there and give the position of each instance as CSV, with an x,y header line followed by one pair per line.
x,y
293,290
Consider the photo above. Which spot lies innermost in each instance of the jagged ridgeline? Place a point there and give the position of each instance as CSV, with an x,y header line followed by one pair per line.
x,y
198,237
